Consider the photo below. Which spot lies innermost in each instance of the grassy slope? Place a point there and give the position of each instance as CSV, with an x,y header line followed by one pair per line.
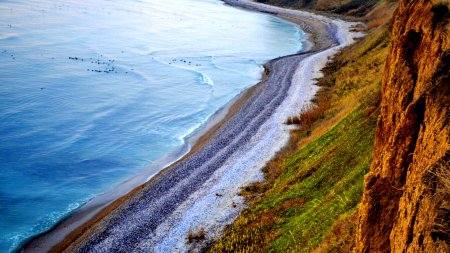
x,y
314,186
349,7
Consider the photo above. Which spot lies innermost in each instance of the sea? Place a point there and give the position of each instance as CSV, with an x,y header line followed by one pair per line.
x,y
93,92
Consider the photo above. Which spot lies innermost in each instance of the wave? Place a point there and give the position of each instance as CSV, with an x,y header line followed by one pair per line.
x,y
205,79
220,63
202,77
217,63
9,36
18,240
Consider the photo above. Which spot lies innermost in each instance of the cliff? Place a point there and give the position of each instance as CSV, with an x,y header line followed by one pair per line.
x,y
406,201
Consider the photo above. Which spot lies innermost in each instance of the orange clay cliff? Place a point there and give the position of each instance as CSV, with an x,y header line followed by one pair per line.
x,y
406,201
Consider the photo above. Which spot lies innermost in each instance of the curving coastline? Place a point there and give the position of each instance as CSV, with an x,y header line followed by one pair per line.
x,y
200,190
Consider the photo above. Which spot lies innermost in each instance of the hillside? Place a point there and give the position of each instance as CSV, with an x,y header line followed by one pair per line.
x,y
315,184
382,111
357,8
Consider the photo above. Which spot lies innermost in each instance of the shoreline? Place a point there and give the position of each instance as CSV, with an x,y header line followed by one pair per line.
x,y
93,211
320,40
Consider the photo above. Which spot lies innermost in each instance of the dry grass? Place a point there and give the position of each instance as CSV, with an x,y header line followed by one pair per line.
x,y
196,236
311,114
380,15
443,174
249,238
348,79
342,235
441,225
253,235
330,4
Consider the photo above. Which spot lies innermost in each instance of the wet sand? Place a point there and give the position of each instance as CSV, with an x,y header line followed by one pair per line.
x,y
200,190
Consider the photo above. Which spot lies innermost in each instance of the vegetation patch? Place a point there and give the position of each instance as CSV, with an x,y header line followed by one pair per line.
x,y
196,236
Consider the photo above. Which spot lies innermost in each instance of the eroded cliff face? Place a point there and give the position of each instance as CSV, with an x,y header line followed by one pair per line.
x,y
406,201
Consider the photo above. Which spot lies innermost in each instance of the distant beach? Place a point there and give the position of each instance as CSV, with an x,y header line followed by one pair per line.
x,y
199,192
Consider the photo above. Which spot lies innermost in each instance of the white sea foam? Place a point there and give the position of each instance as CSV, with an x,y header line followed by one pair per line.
x,y
206,79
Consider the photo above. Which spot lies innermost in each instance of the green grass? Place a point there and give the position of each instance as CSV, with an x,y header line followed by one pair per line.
x,y
328,174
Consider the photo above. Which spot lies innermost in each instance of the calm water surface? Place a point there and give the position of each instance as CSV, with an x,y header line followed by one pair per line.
x,y
92,92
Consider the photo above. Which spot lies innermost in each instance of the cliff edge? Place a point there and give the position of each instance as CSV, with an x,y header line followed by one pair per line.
x,y
406,200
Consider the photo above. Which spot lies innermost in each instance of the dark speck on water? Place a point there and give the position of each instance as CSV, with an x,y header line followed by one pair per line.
x,y
109,63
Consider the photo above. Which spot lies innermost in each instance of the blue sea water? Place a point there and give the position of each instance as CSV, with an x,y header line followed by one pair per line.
x,y
94,91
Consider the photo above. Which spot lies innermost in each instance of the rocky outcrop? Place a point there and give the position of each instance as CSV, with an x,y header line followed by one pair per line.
x,y
406,201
